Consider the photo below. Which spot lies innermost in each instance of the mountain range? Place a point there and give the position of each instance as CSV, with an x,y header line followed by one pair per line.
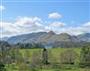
x,y
50,38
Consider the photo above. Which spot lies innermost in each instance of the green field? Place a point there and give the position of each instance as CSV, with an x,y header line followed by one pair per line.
x,y
53,58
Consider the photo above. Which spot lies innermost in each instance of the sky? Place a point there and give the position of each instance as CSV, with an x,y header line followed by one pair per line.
x,y
61,16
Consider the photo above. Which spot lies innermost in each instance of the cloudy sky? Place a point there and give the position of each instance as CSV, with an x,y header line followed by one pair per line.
x,y
27,16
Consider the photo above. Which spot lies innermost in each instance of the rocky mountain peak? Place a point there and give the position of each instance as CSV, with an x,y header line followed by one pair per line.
x,y
51,32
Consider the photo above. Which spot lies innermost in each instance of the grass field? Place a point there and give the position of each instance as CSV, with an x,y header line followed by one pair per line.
x,y
54,57
52,51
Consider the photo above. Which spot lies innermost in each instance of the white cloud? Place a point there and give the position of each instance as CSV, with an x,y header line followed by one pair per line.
x,y
69,29
24,25
87,24
28,21
84,28
21,26
9,29
2,8
74,30
55,15
54,26
57,24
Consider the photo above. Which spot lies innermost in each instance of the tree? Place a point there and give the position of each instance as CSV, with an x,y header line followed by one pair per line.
x,y
85,56
45,56
4,48
68,57
2,67
37,45
36,61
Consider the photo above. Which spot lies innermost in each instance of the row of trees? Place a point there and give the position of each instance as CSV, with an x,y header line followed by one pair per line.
x,y
29,45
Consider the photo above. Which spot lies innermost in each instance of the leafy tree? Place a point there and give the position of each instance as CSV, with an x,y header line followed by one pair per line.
x,y
68,57
4,47
85,56
2,67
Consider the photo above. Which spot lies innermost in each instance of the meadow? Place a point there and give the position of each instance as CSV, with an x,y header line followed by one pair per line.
x,y
32,56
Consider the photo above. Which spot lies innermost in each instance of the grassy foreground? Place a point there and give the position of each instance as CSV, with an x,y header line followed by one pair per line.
x,y
54,57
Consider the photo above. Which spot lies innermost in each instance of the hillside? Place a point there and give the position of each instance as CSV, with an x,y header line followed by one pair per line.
x,y
50,39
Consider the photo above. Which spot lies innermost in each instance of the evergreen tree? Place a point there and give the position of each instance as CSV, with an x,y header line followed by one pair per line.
x,y
45,56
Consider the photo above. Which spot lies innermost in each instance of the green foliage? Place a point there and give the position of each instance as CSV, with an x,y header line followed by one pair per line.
x,y
36,61
32,59
2,67
29,45
68,57
85,56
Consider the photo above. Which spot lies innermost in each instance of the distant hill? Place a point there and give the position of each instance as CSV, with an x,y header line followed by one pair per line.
x,y
50,38
84,37
4,38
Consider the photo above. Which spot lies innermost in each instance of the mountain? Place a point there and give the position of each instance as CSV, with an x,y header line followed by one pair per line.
x,y
40,37
4,38
84,37
26,38
50,39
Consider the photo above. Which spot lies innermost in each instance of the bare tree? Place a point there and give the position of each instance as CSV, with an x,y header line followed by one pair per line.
x,y
36,61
